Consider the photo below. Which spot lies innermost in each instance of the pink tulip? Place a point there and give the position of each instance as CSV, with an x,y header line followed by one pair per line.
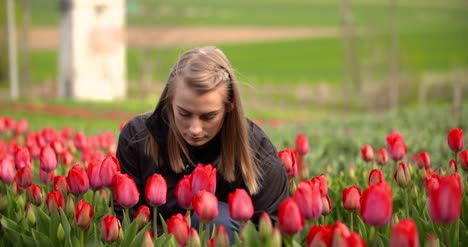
x,y
423,160
183,192
142,216
177,226
402,175
351,198
376,204
67,157
110,228
396,146
455,139
35,194
205,205
308,198
302,144
46,177
125,191
110,167
445,200
320,236
94,169
203,178
240,205
463,158
24,177
3,149
367,153
66,132
382,157
290,218
21,127
22,158
55,199
60,183
156,190
376,176
326,205
7,170
48,159
77,179
81,140
288,157
404,234
83,214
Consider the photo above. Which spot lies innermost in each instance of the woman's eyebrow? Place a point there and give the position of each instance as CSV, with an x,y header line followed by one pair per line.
x,y
206,113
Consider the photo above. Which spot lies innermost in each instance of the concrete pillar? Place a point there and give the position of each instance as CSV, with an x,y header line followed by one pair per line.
x,y
92,50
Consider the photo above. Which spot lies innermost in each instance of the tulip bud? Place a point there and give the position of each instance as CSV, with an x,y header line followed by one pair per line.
x,y
35,194
203,178
265,226
404,234
453,166
289,217
376,204
382,157
77,179
70,207
276,238
148,239
55,200
396,146
194,239
142,216
60,184
352,172
177,226
156,190
351,198
110,229
463,159
302,145
432,240
326,205
376,176
30,215
125,191
292,186
205,205
183,192
402,175
83,214
24,177
240,205
288,157
455,139
60,232
423,160
221,238
48,159
367,153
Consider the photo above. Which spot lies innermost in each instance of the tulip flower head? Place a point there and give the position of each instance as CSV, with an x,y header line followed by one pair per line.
x,y
463,159
367,153
376,176
290,218
142,216
7,170
396,146
156,190
326,205
351,198
77,179
24,177
288,157
402,175
183,192
177,226
404,234
35,194
126,191
240,205
22,158
376,204
423,160
205,205
382,157
302,144
203,178
455,139
110,167
309,200
445,200
60,183
55,200
452,165
83,214
48,159
110,228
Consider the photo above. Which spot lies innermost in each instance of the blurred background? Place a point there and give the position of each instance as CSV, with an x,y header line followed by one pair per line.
x,y
296,60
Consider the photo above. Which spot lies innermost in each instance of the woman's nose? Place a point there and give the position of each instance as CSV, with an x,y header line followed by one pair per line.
x,y
195,127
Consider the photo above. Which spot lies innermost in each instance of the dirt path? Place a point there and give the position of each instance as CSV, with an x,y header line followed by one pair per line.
x,y
47,37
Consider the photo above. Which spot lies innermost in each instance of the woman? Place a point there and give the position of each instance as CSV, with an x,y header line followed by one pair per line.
x,y
199,119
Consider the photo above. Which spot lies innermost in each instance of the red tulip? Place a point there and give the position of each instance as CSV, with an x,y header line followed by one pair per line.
x,y
326,205
445,200
81,141
125,191
453,165
55,198
423,160
3,148
319,236
404,234
402,175
122,125
376,176
205,205
48,159
142,216
110,228
463,159
77,179
432,240
203,178
288,156
322,182
309,201
67,157
455,139
60,183
46,177
13,146
289,217
355,240
183,192
21,127
66,132
220,239
351,198
240,205
35,194
22,158
376,204
194,239
83,214
48,133
7,170
265,225
367,153
396,146
24,177
431,182
177,226
302,144
148,239
339,233
110,167
9,123
156,190
94,169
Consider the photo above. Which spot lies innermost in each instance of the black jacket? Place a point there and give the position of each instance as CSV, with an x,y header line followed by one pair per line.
x,y
140,165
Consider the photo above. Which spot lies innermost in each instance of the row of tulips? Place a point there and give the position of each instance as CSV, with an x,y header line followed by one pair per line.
x,y
78,208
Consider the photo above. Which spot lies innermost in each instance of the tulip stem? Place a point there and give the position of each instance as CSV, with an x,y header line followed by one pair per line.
x,y
374,241
351,218
155,223
202,233
82,237
447,236
405,191
112,202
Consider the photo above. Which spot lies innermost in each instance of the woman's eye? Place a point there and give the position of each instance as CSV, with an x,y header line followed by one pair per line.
x,y
209,117
184,114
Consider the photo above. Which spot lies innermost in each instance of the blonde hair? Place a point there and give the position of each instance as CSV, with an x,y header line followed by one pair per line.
x,y
203,70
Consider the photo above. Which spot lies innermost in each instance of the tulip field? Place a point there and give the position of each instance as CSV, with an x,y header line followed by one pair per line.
x,y
389,179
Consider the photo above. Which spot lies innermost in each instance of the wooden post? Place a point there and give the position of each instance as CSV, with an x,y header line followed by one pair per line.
x,y
12,51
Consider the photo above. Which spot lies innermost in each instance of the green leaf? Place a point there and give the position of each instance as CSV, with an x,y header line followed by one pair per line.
x,y
42,239
27,240
129,235
140,235
163,222
250,235
11,234
42,220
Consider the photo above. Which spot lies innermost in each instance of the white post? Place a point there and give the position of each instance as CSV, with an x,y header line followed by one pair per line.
x,y
12,53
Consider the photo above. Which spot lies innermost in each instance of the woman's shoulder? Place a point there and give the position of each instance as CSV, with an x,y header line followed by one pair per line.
x,y
135,126
255,131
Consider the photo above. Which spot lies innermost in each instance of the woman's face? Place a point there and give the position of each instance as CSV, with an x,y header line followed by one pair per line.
x,y
198,118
